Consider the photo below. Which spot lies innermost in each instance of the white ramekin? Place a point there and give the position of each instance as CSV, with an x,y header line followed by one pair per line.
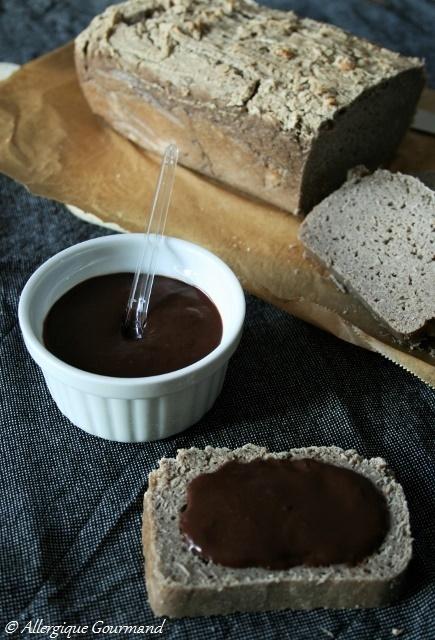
x,y
132,409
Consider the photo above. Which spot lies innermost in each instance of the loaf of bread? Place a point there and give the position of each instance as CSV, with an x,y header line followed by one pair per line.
x,y
376,234
181,583
274,105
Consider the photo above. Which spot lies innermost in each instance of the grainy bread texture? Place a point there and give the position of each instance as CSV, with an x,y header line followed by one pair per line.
x,y
180,583
376,234
274,105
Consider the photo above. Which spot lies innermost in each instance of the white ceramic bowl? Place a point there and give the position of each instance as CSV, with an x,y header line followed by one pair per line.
x,y
132,409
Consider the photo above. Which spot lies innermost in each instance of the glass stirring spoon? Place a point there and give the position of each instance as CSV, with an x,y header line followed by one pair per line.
x,y
140,292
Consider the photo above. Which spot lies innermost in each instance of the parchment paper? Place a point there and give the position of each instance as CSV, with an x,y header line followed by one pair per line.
x,y
51,142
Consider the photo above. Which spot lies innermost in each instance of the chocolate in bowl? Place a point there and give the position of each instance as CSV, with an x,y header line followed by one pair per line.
x,y
132,409
84,328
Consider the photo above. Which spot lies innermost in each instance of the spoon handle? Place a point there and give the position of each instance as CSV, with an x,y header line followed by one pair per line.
x,y
140,292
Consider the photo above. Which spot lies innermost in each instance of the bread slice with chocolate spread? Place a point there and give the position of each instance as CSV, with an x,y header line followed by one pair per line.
x,y
182,583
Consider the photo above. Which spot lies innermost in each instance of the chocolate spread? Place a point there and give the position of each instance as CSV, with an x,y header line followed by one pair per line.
x,y
279,514
84,328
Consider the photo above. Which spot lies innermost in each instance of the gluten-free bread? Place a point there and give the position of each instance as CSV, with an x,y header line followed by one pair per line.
x,y
376,234
180,583
272,104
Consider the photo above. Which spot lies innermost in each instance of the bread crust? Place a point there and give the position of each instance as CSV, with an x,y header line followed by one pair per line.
x,y
280,126
195,588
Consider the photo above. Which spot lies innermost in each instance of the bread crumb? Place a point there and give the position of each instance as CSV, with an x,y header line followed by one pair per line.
x,y
331,101
346,64
183,569
229,6
285,52
397,632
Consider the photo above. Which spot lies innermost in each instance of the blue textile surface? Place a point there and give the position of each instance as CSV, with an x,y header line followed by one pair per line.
x,y
70,503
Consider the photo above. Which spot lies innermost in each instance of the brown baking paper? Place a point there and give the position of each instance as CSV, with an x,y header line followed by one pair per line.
x,y
51,142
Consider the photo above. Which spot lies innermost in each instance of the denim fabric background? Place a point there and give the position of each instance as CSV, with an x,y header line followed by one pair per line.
x,y
70,505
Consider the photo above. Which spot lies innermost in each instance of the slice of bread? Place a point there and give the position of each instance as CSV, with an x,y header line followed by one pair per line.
x,y
181,583
376,234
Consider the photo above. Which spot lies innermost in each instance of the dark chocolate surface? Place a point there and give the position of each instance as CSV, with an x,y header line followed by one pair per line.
x,y
279,514
85,327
